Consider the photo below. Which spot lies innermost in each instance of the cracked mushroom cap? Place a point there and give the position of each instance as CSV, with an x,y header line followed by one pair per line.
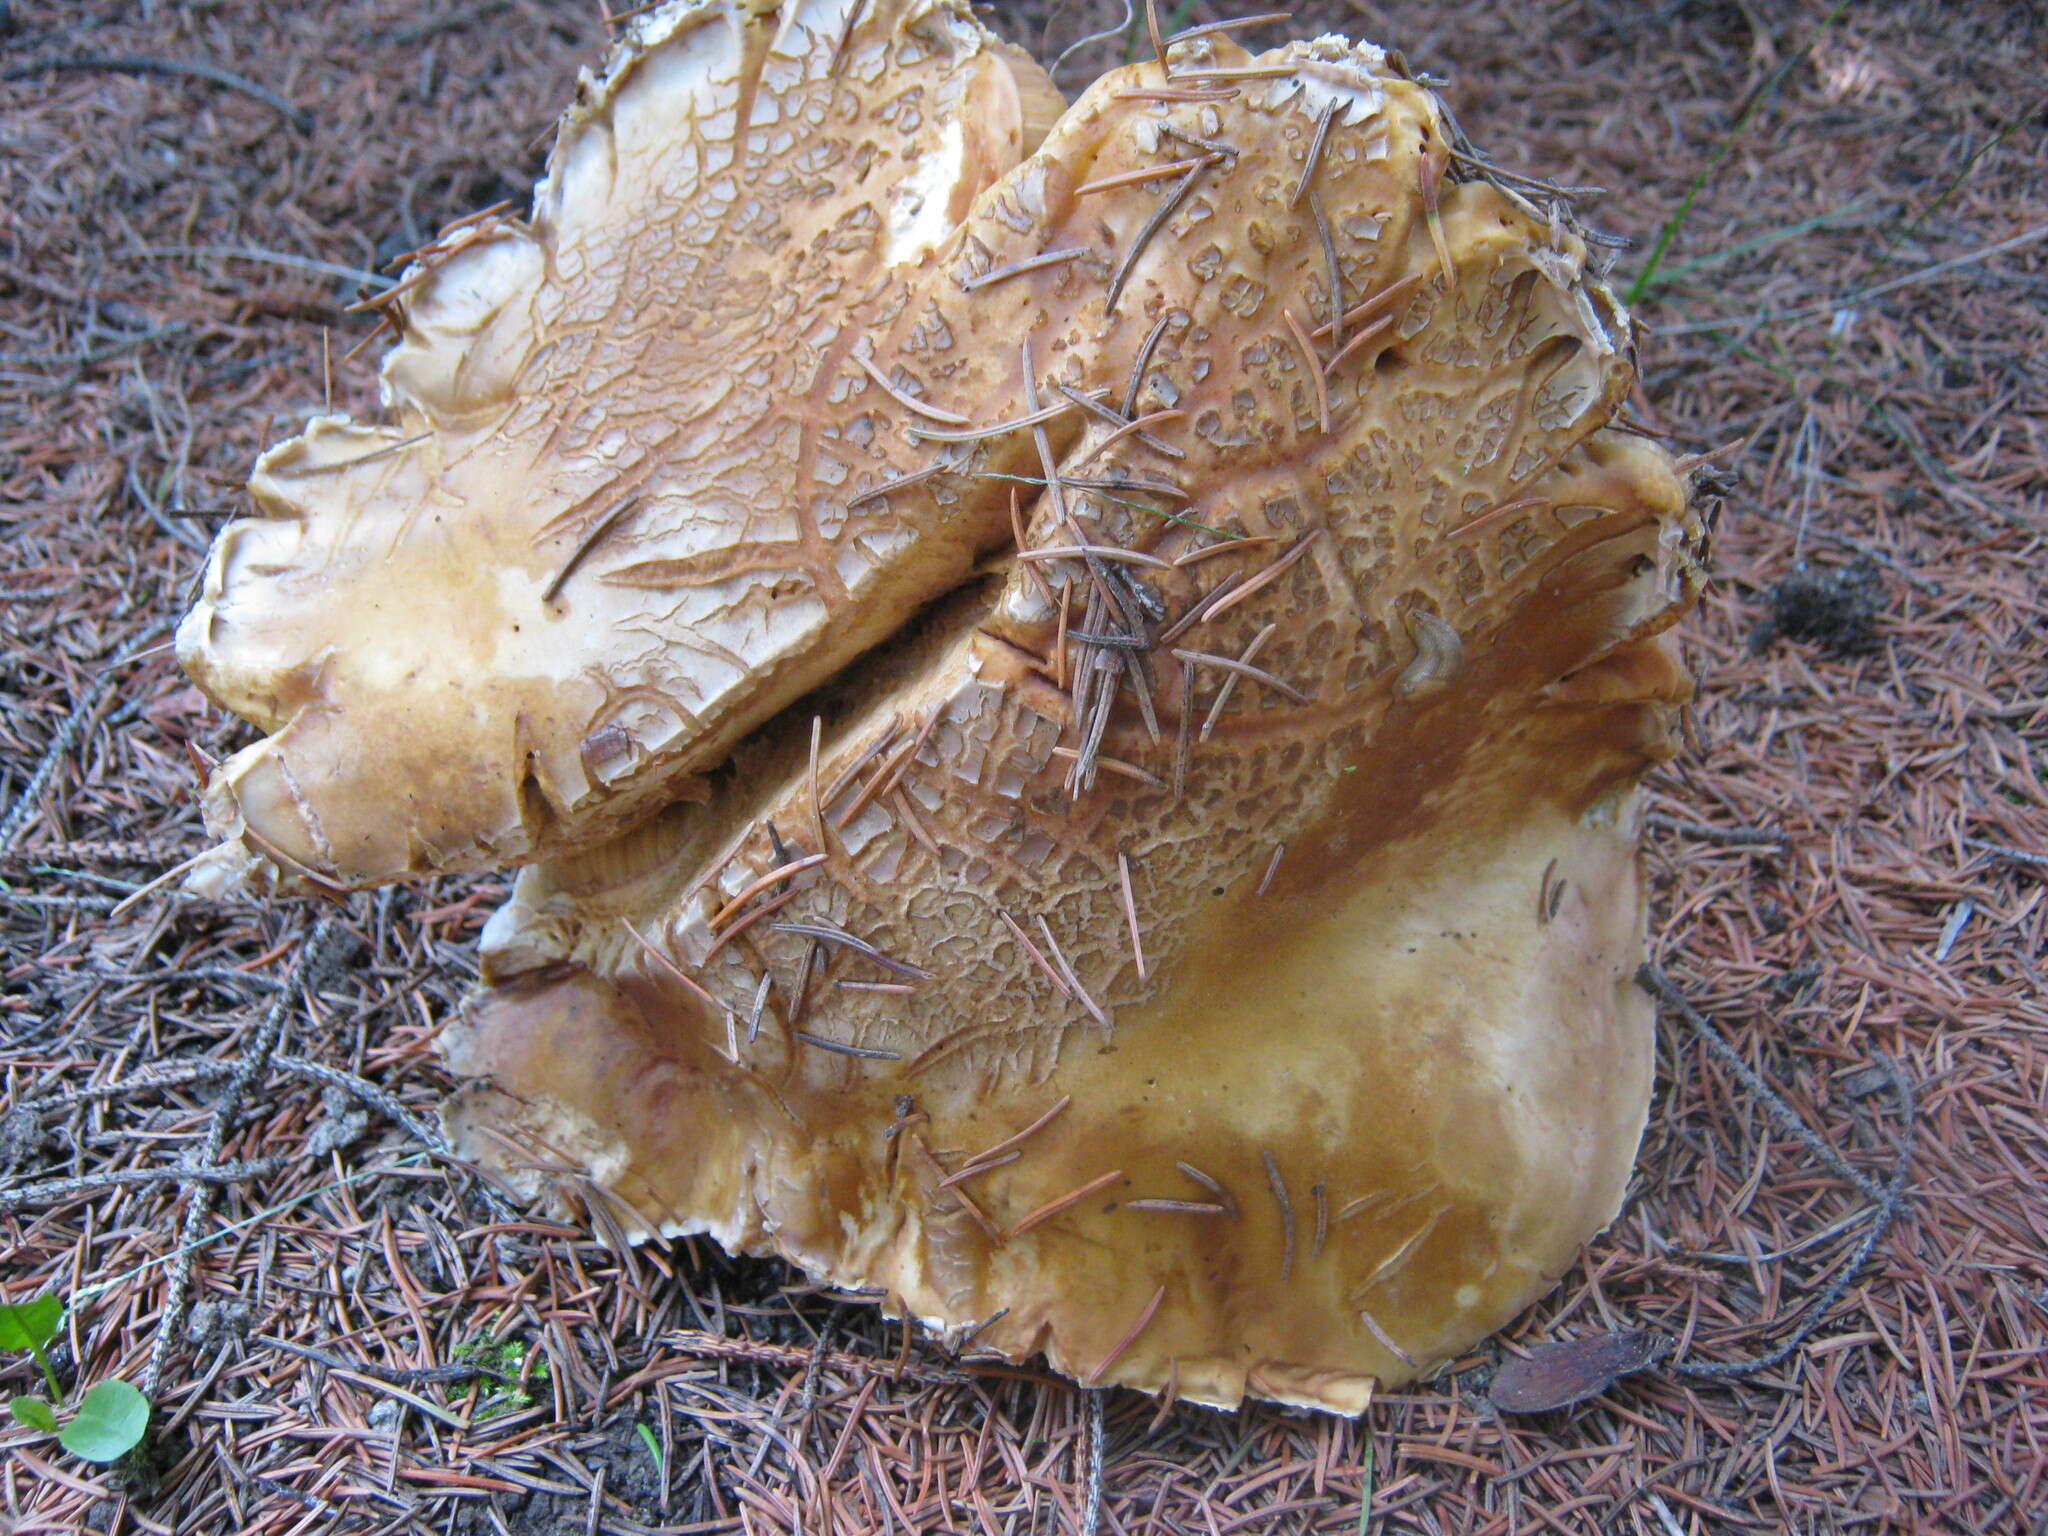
x,y
1200,951
624,504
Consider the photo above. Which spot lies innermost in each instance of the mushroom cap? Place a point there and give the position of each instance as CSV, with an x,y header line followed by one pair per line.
x,y
1262,876
611,522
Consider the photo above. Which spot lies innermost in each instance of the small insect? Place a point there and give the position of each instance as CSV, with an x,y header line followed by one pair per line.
x,y
1572,1370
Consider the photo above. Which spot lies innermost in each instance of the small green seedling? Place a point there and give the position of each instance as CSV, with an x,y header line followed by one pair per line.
x,y
653,1449
105,1424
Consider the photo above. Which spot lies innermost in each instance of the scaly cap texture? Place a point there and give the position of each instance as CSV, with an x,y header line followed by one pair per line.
x,y
616,516
1201,951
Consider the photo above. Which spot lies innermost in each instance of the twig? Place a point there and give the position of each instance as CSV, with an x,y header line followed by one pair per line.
x,y
1661,987
256,1060
1887,1196
372,280
1734,837
1091,1513
25,803
180,1073
390,1373
1860,295
368,1093
585,545
2017,855
57,1191
1640,288
132,64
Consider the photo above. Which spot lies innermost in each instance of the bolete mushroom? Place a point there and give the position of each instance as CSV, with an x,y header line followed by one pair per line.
x,y
1199,947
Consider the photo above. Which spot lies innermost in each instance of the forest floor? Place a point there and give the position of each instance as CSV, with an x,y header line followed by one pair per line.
x,y
340,1333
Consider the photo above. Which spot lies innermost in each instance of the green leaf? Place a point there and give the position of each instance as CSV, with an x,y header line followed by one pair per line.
x,y
30,1324
35,1413
109,1423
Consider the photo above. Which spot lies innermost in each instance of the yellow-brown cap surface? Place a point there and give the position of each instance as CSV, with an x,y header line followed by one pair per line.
x,y
1206,942
615,516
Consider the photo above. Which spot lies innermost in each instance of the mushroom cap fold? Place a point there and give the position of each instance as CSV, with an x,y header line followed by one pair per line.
x,y
1201,951
616,516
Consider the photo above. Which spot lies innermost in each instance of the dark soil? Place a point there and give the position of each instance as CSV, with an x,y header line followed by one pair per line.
x,y
1835,607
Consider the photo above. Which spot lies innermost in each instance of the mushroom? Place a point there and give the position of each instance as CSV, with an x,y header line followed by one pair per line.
x,y
1197,947
627,501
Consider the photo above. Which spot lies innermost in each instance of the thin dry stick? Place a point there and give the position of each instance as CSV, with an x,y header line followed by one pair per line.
x,y
1355,345
1060,1203
774,877
1019,268
1114,765
1091,1510
1860,295
1315,152
1037,954
26,802
1887,1197
385,1373
1263,579
1122,1346
1123,870
1233,24
661,959
1159,56
747,921
1315,369
1367,307
841,1048
851,771
313,959
589,542
896,483
1232,673
298,117
1147,230
1011,1143
1112,552
1142,362
178,1073
826,933
1121,418
58,1191
1211,1184
909,401
1104,35
1658,985
1074,987
1136,428
976,1170
1334,270
1286,1204
1272,869
1017,542
1136,178
1037,418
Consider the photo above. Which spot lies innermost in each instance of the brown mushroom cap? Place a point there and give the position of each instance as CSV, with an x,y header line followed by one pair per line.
x,y
1336,722
613,520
